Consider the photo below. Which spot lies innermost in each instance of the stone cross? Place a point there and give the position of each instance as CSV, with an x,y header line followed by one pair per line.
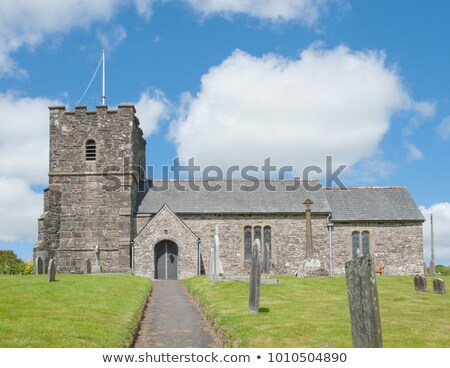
x,y
309,245
363,303
87,266
255,278
439,286
96,268
51,271
420,283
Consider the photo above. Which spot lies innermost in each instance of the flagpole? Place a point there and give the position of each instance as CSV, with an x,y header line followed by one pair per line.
x,y
103,82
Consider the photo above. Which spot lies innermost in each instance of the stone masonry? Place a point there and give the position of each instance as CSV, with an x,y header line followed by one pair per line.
x,y
95,208
89,202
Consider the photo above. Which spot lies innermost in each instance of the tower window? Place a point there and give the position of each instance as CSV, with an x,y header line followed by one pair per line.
x,y
91,150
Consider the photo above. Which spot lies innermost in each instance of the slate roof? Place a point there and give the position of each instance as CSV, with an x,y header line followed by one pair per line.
x,y
373,204
236,200
351,204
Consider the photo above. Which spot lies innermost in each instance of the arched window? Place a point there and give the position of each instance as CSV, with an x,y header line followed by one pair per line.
x,y
355,244
257,231
91,150
267,250
248,243
365,243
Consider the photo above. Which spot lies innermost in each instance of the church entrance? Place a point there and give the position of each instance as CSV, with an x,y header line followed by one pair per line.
x,y
166,260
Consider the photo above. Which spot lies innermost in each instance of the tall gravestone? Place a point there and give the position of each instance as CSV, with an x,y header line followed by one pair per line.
x,y
255,278
211,263
39,266
439,286
420,283
51,270
363,303
96,268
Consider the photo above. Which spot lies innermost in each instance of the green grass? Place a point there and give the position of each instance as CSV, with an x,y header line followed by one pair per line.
x,y
75,311
313,312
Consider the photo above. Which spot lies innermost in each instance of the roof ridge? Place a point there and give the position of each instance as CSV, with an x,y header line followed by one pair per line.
x,y
368,187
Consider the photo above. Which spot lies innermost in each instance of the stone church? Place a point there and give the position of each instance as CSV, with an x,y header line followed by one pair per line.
x,y
102,215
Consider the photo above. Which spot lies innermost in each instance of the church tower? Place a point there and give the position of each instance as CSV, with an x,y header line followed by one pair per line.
x,y
97,160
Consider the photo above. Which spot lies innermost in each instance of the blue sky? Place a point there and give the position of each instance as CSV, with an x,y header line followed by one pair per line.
x,y
233,82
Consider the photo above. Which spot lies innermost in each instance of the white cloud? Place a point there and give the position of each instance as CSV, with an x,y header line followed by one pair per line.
x,y
112,38
20,209
26,23
441,221
335,102
144,7
152,109
24,131
444,128
413,153
306,11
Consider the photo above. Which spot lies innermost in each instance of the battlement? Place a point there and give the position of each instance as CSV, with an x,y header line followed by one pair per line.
x,y
123,109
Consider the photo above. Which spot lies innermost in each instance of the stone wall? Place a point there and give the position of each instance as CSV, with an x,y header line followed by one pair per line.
x,y
288,239
165,226
96,197
396,246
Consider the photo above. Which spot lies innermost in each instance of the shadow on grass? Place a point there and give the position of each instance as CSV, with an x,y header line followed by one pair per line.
x,y
264,310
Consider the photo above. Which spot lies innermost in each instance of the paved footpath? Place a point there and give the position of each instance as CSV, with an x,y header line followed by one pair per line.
x,y
172,320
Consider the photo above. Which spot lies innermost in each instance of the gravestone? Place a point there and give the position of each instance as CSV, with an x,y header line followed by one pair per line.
x,y
51,270
255,278
39,266
96,268
420,283
439,286
87,266
211,263
425,268
218,269
363,303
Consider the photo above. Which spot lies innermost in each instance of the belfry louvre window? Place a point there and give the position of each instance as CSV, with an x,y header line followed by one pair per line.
x,y
91,150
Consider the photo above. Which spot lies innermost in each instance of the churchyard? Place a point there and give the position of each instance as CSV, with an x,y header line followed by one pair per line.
x,y
73,311
104,311
314,312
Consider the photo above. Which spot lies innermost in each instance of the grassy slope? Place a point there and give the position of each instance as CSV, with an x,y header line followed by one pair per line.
x,y
313,312
74,311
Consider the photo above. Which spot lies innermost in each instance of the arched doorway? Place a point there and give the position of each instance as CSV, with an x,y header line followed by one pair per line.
x,y
166,260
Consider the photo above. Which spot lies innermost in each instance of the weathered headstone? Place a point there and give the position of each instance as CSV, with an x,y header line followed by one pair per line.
x,y
211,263
363,303
96,268
420,283
425,268
439,286
218,269
51,270
39,266
255,278
87,266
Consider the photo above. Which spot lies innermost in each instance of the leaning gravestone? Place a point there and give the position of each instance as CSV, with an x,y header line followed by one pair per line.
x,y
51,270
363,303
39,266
87,266
420,283
255,278
439,286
